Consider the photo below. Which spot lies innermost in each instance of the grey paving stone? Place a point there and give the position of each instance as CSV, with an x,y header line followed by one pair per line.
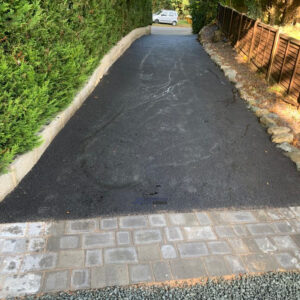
x,y
133,222
239,217
93,258
199,233
13,246
140,273
120,255
109,224
157,220
56,281
238,246
240,230
217,217
184,269
251,245
98,240
284,242
287,261
71,259
283,227
286,213
261,216
55,228
296,211
215,266
36,229
29,283
224,231
274,214
37,244
11,264
219,247
81,226
37,262
203,219
162,271
123,238
235,264
188,250
109,275
148,253
296,239
80,279
260,262
147,236
187,219
296,224
265,245
168,252
13,230
69,242
56,243
261,229
173,234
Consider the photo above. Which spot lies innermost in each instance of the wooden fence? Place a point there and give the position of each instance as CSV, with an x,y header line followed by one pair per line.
x,y
275,54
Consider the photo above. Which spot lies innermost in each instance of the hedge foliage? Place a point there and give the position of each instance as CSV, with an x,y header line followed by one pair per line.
x,y
48,49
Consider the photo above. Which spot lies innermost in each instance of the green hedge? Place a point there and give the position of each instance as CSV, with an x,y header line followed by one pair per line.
x,y
48,49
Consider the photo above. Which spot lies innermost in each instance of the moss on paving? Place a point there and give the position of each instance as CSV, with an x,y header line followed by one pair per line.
x,y
268,286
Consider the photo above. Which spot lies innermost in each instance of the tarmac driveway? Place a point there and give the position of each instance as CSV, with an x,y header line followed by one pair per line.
x,y
162,131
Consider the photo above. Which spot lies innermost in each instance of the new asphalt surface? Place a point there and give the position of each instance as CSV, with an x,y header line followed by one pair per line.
x,y
163,130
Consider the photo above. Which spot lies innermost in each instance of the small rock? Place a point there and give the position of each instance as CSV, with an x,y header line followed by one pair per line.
x,y
278,130
294,156
287,147
282,138
268,121
261,112
217,36
239,85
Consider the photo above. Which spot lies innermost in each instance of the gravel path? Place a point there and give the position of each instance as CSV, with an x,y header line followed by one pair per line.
x,y
268,286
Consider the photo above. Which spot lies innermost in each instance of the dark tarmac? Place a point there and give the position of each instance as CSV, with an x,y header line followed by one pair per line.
x,y
162,131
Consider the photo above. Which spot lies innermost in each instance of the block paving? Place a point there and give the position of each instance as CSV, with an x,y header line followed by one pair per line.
x,y
93,253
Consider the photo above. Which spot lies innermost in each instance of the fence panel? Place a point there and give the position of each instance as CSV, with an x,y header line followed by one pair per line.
x,y
255,39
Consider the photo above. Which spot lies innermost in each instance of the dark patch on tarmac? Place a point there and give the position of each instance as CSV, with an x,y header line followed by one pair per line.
x,y
162,131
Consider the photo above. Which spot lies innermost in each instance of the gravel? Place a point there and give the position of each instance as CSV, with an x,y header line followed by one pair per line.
x,y
267,286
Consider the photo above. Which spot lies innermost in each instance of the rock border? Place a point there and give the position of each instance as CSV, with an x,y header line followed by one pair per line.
x,y
25,162
280,135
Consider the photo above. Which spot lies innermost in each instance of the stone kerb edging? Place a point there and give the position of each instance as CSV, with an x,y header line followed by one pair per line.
x,y
280,135
24,163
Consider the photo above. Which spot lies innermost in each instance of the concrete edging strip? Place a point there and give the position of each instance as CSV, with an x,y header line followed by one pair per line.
x,y
25,162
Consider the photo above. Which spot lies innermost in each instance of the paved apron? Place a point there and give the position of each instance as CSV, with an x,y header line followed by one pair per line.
x,y
99,252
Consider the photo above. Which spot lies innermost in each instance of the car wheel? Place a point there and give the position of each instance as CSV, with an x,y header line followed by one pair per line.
x,y
174,23
156,21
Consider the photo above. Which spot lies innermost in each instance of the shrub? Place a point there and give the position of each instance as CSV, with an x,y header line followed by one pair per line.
x,y
203,12
48,49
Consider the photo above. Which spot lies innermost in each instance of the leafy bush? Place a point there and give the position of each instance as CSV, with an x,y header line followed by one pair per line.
x,y
203,12
48,48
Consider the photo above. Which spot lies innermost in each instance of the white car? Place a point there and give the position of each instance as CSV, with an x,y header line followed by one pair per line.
x,y
166,16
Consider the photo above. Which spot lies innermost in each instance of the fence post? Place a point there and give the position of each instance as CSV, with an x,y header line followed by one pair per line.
x,y
239,32
230,24
253,40
224,14
218,14
294,72
274,50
